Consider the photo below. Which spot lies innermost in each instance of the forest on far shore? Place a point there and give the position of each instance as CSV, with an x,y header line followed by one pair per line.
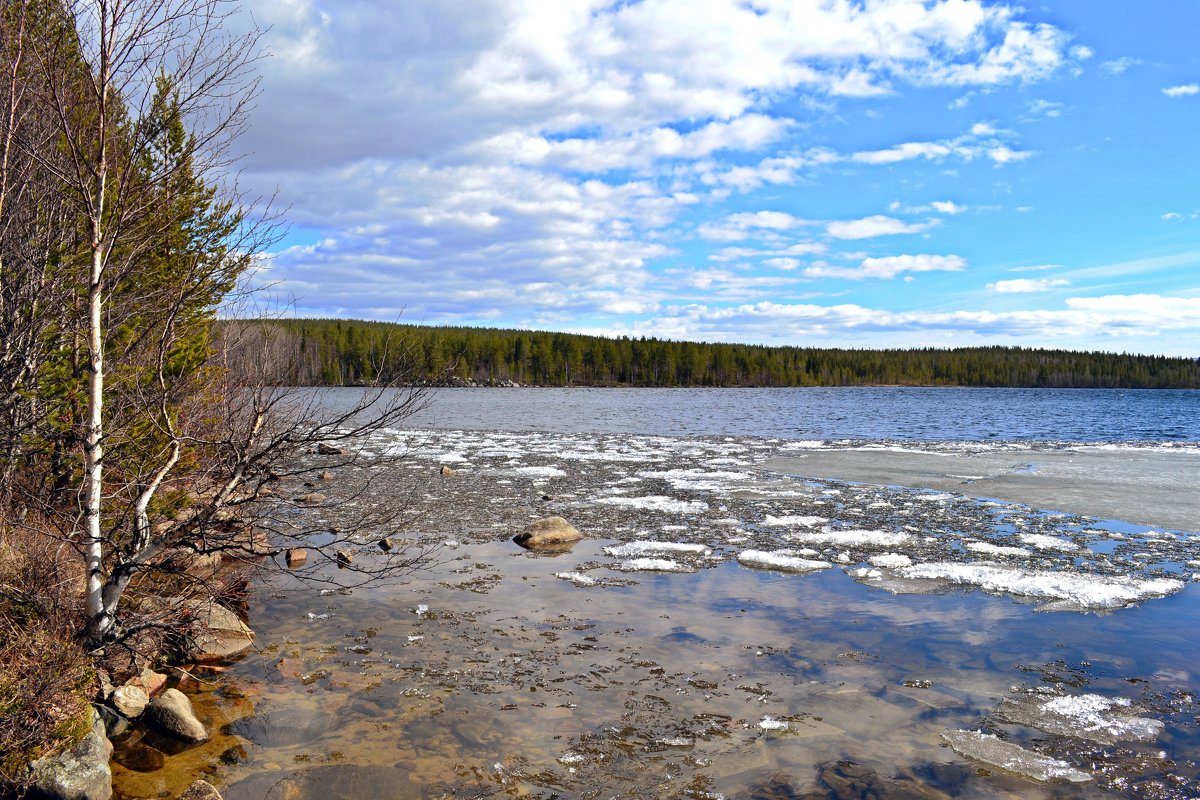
x,y
334,352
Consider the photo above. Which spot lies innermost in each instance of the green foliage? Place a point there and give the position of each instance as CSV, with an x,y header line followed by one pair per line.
x,y
346,352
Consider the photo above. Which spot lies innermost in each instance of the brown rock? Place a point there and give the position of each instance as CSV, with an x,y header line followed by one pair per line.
x,y
331,450
201,790
326,475
219,634
296,557
310,499
386,544
131,701
171,712
549,531
446,472
344,559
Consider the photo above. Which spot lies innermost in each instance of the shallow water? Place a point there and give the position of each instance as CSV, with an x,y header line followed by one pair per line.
x,y
495,672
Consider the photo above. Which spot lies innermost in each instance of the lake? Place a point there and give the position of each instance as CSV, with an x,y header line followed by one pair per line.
x,y
896,593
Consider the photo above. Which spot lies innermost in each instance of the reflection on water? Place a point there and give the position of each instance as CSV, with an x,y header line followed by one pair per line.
x,y
727,681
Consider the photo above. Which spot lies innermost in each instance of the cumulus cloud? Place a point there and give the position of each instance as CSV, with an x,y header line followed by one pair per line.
x,y
889,267
1118,66
1183,90
1027,285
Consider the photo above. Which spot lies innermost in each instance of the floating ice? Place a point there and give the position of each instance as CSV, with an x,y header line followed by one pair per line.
x,y
539,472
577,578
1005,755
853,538
698,479
1090,716
890,560
780,560
1065,590
987,548
1043,542
652,565
769,723
657,503
788,521
633,549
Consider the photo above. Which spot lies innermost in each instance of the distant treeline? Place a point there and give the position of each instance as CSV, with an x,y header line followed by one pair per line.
x,y
330,352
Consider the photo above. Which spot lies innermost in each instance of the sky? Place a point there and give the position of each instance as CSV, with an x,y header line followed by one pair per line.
x,y
838,173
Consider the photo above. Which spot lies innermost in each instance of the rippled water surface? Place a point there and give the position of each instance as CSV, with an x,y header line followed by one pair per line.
x,y
658,658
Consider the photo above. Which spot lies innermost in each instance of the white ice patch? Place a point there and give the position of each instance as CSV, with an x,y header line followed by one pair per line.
x,y
779,560
890,560
652,565
1043,542
669,505
1095,714
992,750
1064,589
637,549
987,548
769,723
698,479
539,472
577,578
790,521
853,538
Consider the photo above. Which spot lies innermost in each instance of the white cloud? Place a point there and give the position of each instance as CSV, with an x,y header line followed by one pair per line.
x,y
744,225
889,267
1036,268
947,207
876,225
1183,90
1117,66
1027,285
1046,108
1172,215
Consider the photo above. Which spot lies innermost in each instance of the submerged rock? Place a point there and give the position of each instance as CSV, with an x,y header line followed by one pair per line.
x,y
171,712
201,790
81,773
549,531
1004,755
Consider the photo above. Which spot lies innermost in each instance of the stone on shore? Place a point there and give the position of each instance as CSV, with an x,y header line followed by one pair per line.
x,y
386,544
296,557
219,634
344,559
131,701
171,712
310,499
447,472
548,532
201,790
331,450
81,773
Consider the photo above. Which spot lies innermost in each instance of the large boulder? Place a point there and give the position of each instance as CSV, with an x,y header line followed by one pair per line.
x,y
81,773
171,712
218,634
548,532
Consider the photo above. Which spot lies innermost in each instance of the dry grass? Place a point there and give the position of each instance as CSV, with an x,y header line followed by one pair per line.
x,y
44,673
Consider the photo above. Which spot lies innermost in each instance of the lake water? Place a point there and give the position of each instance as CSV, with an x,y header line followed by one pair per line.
x,y
783,593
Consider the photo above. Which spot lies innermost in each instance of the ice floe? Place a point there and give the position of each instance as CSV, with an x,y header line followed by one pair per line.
x,y
987,548
647,548
1106,720
852,538
652,565
1043,542
996,752
577,578
668,505
782,560
795,519
1060,590
891,560
769,723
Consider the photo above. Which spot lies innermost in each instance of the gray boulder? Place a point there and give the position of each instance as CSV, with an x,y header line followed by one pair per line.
x,y
548,532
81,773
171,712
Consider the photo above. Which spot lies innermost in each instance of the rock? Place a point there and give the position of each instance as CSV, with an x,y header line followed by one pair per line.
x,y
171,712
114,723
296,557
326,475
131,701
81,773
331,450
344,559
548,532
219,634
446,472
153,682
310,499
201,790
386,544
546,498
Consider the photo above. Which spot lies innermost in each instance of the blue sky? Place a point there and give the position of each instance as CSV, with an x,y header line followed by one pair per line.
x,y
879,173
